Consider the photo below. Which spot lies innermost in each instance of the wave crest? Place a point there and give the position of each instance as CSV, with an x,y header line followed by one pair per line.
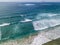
x,y
29,4
46,23
47,14
4,24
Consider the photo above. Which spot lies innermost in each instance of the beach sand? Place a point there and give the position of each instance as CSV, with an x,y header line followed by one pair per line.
x,y
54,42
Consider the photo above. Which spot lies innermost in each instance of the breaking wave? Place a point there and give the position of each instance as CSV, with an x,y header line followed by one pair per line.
x,y
4,24
29,4
47,15
46,22
26,20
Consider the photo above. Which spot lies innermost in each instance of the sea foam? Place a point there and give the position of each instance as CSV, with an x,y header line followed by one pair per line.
x,y
26,20
4,24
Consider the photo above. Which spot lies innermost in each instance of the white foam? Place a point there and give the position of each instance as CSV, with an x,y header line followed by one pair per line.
x,y
29,4
45,23
46,36
52,14
4,24
22,15
38,26
46,15
26,20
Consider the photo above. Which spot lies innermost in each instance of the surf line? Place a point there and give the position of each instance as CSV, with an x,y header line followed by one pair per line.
x,y
4,24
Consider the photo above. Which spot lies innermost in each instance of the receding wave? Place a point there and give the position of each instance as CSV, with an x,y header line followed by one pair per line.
x,y
26,20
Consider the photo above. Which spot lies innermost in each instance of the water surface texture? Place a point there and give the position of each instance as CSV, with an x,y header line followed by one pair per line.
x,y
18,19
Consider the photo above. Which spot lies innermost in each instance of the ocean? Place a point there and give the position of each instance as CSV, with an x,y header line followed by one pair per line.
x,y
17,19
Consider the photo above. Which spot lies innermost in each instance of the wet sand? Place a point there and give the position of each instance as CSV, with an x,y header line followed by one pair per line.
x,y
54,42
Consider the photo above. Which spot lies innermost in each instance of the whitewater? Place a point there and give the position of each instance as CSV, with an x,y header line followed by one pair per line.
x,y
18,19
49,29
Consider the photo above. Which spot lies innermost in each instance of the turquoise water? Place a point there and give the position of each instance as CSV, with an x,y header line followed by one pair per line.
x,y
12,13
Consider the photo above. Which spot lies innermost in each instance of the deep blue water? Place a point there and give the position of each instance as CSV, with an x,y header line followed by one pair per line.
x,y
12,13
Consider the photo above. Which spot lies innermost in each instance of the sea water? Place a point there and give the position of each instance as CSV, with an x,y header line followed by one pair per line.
x,y
22,18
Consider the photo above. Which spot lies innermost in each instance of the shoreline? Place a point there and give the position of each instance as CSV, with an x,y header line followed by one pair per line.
x,y
47,35
29,39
